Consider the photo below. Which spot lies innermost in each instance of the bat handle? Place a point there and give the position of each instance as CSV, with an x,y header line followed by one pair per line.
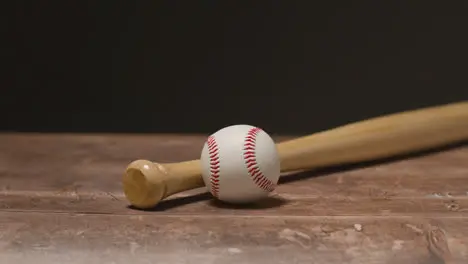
x,y
145,183
376,138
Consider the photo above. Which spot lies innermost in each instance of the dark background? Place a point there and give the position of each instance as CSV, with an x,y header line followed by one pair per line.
x,y
195,66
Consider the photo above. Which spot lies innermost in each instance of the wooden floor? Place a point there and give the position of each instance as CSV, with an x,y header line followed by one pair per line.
x,y
61,202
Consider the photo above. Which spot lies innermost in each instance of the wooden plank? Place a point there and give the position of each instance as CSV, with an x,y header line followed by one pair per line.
x,y
61,202
203,204
95,163
84,238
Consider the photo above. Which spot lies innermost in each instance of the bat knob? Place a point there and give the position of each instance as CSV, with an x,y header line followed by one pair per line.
x,y
144,183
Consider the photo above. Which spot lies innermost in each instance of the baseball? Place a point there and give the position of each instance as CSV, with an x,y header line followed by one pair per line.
x,y
240,164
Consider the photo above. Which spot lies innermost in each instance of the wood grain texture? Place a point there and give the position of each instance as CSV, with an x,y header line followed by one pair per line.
x,y
61,202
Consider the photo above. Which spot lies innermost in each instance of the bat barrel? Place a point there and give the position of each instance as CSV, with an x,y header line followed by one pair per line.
x,y
377,138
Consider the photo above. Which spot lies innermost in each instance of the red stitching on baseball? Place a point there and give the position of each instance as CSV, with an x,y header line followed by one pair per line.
x,y
251,161
213,152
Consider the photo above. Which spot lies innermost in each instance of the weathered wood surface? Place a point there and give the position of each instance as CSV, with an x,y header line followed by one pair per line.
x,y
61,202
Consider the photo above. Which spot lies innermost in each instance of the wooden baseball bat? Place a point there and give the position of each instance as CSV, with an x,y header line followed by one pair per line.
x,y
145,183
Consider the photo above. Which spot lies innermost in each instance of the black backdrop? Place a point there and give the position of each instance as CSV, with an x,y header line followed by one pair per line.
x,y
196,66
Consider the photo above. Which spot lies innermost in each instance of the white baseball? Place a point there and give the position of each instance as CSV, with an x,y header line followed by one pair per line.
x,y
240,164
